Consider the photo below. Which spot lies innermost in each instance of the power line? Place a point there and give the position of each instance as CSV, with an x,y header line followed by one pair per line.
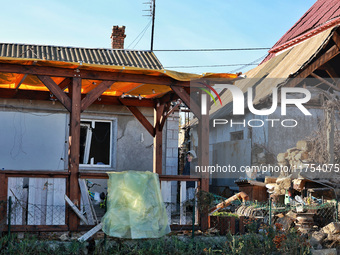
x,y
242,67
230,49
140,34
212,65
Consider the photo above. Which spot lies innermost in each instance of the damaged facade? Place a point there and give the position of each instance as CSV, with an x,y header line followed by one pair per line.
x,y
306,57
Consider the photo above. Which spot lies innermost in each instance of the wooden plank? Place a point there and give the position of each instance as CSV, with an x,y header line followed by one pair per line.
x,y
166,195
59,191
74,151
94,94
185,97
90,233
49,203
37,174
177,178
91,74
142,119
76,210
87,202
15,190
57,92
3,196
37,228
37,195
86,175
331,53
182,201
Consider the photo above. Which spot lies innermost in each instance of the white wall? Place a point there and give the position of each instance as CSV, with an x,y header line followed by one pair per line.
x,y
33,140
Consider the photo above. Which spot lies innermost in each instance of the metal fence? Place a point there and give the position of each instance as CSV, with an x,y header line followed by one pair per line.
x,y
236,217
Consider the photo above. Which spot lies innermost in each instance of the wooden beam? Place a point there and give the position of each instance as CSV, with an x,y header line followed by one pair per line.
x,y
185,97
3,197
141,118
203,157
37,228
74,151
158,140
325,81
91,74
54,88
167,114
85,175
19,80
36,174
336,39
94,94
178,178
331,53
65,83
105,100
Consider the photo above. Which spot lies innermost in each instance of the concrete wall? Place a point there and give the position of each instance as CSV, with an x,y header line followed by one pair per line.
x,y
263,140
282,138
33,136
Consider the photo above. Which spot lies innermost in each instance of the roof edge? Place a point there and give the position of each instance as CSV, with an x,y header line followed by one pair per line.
x,y
305,36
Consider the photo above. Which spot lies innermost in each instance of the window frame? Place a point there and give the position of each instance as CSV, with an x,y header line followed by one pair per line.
x,y
113,143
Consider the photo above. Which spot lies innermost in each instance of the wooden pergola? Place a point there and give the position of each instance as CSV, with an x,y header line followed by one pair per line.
x,y
77,86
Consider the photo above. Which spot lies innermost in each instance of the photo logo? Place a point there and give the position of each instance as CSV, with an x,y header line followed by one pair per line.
x,y
213,90
239,105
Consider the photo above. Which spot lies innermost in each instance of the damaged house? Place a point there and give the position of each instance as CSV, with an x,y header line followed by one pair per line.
x,y
72,114
306,57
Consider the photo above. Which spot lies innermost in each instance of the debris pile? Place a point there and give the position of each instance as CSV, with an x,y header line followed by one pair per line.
x,y
295,158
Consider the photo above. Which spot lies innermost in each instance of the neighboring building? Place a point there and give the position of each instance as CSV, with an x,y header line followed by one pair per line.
x,y
310,49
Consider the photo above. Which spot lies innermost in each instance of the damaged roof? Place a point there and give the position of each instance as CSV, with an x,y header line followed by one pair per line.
x,y
275,72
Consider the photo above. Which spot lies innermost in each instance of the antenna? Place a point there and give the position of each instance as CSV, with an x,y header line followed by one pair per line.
x,y
152,7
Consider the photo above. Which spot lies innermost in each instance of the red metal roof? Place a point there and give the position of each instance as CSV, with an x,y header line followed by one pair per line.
x,y
321,12
317,17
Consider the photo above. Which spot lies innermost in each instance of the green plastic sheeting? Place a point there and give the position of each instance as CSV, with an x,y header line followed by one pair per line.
x,y
135,206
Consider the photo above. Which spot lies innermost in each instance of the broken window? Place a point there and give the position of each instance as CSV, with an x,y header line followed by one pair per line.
x,y
95,143
238,135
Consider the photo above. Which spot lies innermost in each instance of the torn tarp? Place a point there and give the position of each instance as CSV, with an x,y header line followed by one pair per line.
x,y
135,206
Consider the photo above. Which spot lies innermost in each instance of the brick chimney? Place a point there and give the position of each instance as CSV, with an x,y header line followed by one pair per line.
x,y
117,37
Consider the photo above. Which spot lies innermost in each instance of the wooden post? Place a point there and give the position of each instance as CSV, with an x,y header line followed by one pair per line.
x,y
203,152
330,134
74,143
3,196
158,140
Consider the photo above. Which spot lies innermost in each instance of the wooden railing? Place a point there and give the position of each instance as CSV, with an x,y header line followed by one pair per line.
x,y
165,183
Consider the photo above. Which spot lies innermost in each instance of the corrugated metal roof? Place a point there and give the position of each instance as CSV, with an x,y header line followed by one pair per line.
x,y
115,57
320,13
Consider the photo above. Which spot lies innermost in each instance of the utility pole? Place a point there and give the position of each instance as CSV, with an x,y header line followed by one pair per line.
x,y
153,22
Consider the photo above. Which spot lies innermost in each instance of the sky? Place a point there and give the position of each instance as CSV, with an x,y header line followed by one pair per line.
x,y
179,24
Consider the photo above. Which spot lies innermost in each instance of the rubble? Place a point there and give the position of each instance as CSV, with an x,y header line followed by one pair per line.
x,y
296,157
317,238
332,228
